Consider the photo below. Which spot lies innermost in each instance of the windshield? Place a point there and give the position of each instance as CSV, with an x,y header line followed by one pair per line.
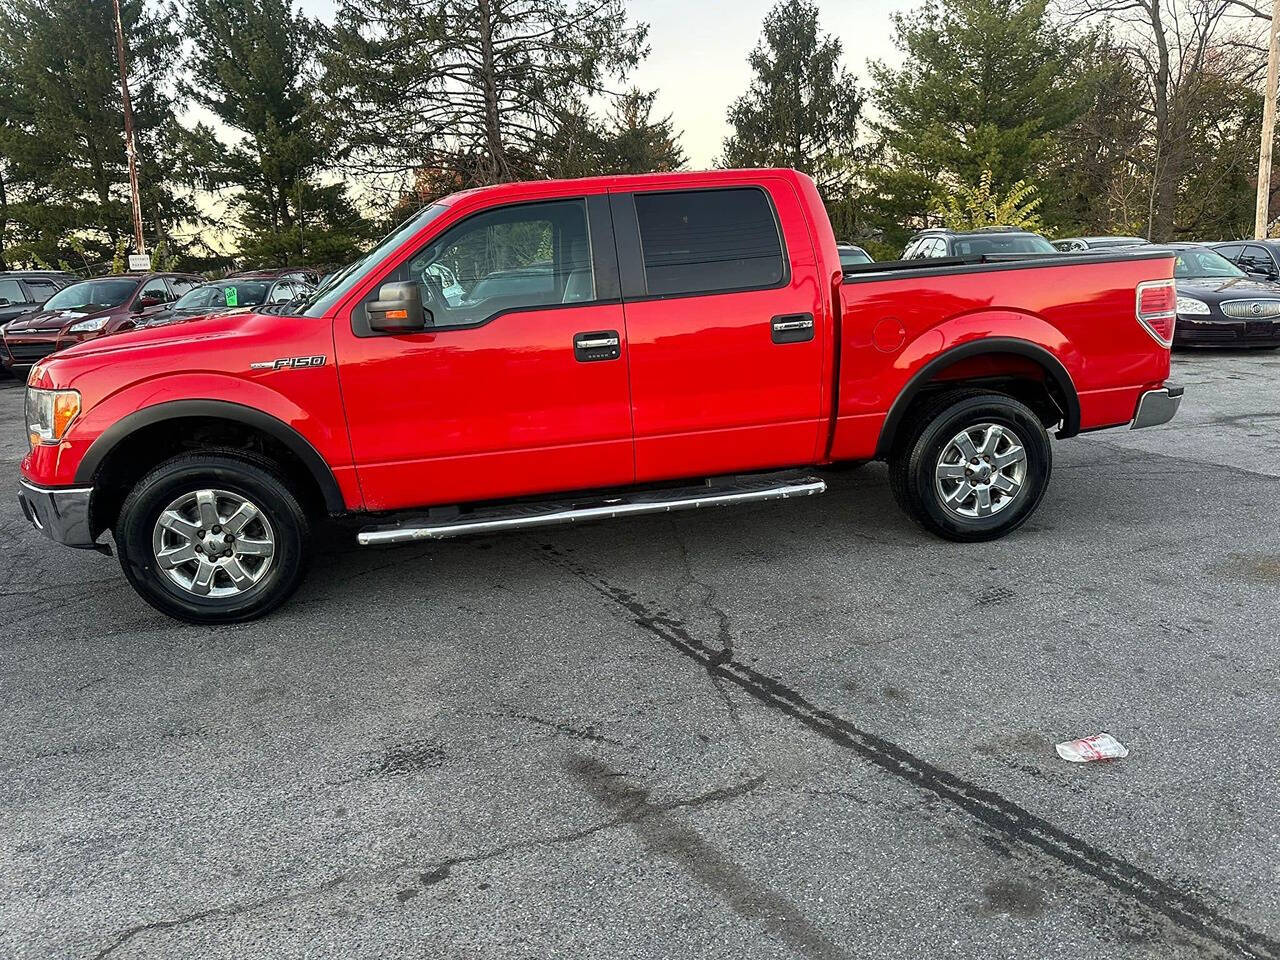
x,y
242,293
97,294
1003,243
850,256
323,299
1201,262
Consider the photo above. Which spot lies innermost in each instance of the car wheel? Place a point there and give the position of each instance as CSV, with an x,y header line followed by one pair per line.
x,y
213,537
971,465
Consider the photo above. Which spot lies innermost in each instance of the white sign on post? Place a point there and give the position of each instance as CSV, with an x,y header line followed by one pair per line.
x,y
139,261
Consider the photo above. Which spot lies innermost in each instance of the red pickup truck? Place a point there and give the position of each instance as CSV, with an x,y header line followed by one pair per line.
x,y
538,353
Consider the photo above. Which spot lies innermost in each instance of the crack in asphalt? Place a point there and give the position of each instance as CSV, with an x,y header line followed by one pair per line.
x,y
436,870
1015,825
724,637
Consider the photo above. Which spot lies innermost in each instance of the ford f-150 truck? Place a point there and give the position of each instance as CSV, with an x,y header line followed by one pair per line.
x,y
605,347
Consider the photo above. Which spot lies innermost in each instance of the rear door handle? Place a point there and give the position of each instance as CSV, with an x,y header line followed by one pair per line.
x,y
597,345
792,328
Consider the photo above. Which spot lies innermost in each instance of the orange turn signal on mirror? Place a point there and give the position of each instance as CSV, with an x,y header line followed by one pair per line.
x,y
397,314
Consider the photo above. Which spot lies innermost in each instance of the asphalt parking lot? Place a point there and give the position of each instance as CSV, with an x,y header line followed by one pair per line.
x,y
800,729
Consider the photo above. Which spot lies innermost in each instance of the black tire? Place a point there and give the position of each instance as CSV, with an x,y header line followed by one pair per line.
x,y
242,474
930,431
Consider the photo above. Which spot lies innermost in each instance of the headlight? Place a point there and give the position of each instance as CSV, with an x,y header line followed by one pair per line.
x,y
89,326
1186,305
49,414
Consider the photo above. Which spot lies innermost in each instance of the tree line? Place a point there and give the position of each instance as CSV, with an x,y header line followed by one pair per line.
x,y
303,141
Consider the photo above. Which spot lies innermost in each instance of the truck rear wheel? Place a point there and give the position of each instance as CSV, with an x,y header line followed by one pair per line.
x,y
971,465
213,537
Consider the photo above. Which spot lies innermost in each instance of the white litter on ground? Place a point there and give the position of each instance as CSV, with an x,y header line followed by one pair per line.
x,y
1101,746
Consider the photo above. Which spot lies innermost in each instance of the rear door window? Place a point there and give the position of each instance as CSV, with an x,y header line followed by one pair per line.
x,y
709,241
40,290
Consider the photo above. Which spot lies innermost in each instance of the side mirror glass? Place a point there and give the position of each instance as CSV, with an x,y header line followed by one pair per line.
x,y
398,309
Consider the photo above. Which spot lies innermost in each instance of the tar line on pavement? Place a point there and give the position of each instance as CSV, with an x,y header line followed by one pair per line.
x,y
1160,899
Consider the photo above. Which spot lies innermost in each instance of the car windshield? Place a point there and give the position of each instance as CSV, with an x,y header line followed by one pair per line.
x,y
1201,262
1002,243
97,294
325,297
241,293
851,256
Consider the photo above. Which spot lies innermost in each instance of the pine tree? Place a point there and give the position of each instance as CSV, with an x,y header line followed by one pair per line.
x,y
65,183
478,90
984,85
253,67
803,107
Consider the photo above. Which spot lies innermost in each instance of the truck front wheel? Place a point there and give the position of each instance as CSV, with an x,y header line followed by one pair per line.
x,y
971,465
213,537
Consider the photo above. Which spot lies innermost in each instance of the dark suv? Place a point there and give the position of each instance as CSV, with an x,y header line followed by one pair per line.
x,y
22,291
88,309
1260,259
928,244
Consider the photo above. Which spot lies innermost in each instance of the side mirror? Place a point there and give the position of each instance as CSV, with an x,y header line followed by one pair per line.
x,y
146,303
398,309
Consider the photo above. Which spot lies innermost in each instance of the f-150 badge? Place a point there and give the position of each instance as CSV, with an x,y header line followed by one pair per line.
x,y
289,363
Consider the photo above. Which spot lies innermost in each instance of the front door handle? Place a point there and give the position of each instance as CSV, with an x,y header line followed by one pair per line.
x,y
792,328
597,345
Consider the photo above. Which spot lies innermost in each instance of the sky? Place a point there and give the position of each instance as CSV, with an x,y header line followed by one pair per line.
x,y
698,55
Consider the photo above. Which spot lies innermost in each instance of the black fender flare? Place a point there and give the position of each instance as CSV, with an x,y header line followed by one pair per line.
x,y
295,442
973,348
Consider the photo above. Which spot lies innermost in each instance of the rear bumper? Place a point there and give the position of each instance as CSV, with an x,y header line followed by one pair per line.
x,y
1157,406
60,513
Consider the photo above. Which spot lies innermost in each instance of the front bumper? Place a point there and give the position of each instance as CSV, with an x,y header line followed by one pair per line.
x,y
60,513
1188,332
1157,406
23,351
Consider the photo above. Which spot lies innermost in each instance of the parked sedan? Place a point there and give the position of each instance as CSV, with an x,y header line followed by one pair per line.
x,y
1219,305
88,309
852,255
1081,244
232,295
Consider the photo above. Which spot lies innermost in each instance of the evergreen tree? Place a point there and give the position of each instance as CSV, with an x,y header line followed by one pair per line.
x,y
65,195
628,140
803,108
476,90
984,85
254,68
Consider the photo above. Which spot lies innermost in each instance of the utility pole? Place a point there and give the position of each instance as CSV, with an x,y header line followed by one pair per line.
x,y
129,146
1262,215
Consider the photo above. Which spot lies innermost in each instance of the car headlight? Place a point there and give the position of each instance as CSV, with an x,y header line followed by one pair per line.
x,y
1186,305
89,326
49,413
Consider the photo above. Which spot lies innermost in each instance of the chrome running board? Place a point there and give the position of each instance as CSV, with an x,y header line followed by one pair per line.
x,y
521,516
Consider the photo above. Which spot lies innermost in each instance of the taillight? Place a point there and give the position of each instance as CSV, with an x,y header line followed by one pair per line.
x,y
1158,309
